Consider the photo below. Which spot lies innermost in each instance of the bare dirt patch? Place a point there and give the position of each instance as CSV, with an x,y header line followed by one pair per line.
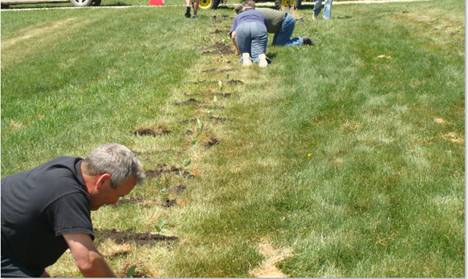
x,y
218,119
166,169
454,137
234,82
188,121
165,202
188,102
210,142
121,237
218,48
222,94
169,203
439,120
273,256
153,132
179,189
220,18
202,81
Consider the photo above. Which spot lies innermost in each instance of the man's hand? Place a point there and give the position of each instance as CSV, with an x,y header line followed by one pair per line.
x,y
87,258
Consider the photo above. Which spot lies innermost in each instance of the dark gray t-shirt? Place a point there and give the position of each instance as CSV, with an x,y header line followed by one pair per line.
x,y
38,207
273,19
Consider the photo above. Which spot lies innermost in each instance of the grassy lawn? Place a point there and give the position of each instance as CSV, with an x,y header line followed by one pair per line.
x,y
345,159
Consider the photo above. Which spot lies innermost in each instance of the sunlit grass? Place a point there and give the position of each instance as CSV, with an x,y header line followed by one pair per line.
x,y
348,154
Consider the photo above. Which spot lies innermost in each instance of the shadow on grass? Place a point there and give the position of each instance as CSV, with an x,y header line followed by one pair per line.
x,y
344,17
118,4
271,56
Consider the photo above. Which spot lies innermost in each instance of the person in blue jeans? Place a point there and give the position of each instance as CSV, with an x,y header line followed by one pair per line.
x,y
249,35
282,24
326,10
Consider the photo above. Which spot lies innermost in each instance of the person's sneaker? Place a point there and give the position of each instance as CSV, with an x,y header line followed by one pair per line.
x,y
307,41
194,16
187,12
246,61
262,61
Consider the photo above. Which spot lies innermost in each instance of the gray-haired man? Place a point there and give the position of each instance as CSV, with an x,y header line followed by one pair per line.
x,y
46,210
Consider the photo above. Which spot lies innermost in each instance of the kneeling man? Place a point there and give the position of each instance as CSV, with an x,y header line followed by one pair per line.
x,y
47,210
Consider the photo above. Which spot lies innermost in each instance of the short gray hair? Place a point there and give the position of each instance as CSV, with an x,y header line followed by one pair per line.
x,y
117,160
244,6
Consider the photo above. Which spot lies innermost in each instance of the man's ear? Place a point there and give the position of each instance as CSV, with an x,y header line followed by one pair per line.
x,y
102,179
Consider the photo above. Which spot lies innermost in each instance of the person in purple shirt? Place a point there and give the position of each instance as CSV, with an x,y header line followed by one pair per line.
x,y
249,35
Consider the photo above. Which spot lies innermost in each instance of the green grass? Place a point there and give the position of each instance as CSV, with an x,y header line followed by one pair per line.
x,y
350,153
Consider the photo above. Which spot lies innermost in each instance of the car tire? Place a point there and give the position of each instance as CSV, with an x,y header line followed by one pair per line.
x,y
298,4
96,3
215,4
81,3
277,4
209,4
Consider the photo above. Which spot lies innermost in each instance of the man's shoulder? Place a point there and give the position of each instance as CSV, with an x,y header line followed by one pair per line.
x,y
268,11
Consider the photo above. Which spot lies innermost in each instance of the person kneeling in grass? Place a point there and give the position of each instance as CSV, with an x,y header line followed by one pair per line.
x,y
47,210
249,35
281,24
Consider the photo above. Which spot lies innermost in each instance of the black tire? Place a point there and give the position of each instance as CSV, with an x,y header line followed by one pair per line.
x,y
215,4
96,3
298,4
277,4
81,3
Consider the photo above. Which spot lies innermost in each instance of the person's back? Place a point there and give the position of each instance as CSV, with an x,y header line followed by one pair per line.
x,y
251,15
31,225
273,19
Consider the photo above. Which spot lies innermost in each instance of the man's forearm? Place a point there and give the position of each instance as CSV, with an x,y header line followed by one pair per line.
x,y
233,38
87,258
96,266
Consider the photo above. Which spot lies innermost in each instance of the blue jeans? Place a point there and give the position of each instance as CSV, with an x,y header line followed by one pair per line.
x,y
252,37
326,10
283,36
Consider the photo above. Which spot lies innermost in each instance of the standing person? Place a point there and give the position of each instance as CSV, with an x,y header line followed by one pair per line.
x,y
249,35
282,25
47,210
326,10
195,4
